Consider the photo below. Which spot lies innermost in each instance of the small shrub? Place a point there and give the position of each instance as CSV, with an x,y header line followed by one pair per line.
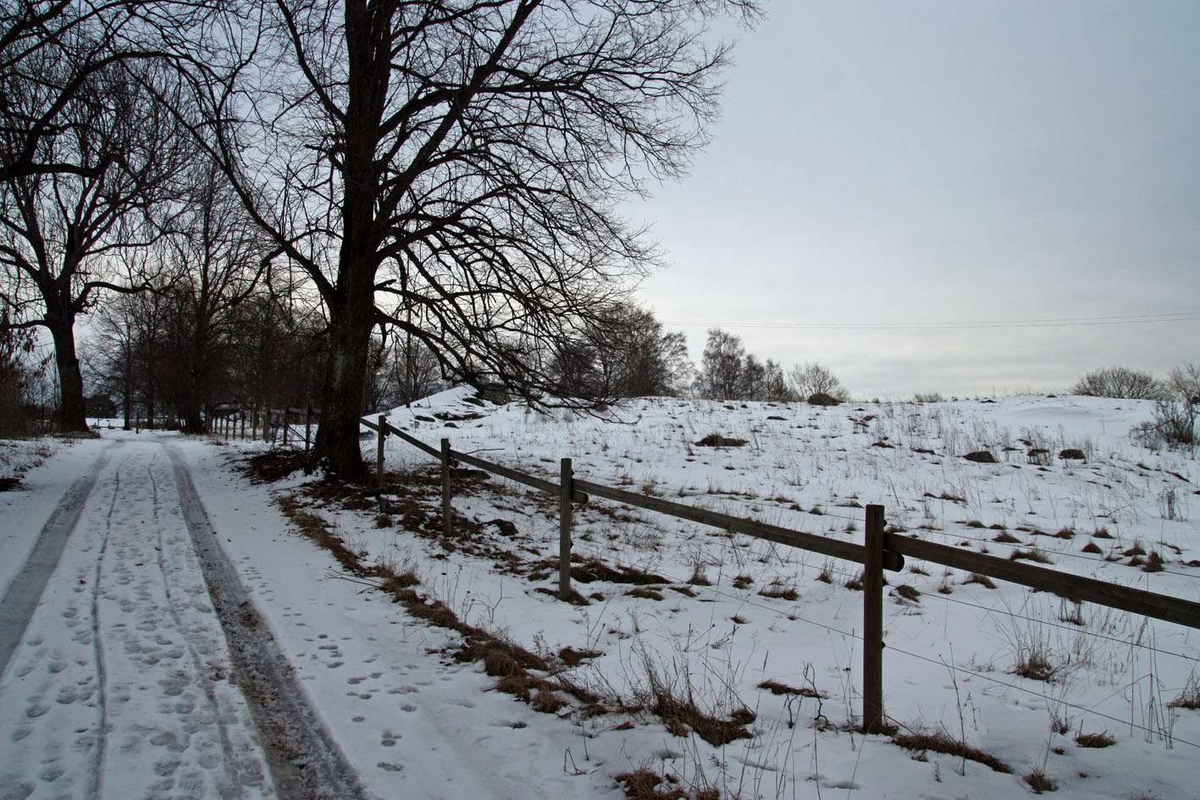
x,y
1119,382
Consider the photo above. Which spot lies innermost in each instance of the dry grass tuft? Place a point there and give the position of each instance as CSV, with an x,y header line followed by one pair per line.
x,y
942,742
775,687
573,658
1038,781
1006,538
643,784
699,577
982,580
1095,740
742,582
779,590
1032,554
1091,547
909,593
593,569
1034,663
1190,696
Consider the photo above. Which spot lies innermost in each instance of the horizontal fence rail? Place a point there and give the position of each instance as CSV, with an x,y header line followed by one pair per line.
x,y
834,548
1074,587
881,551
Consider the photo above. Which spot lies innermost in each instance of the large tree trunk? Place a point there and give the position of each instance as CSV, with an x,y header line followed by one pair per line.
x,y
198,383
352,309
337,442
71,413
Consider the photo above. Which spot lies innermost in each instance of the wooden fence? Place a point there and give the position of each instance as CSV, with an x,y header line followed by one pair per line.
x,y
880,551
282,426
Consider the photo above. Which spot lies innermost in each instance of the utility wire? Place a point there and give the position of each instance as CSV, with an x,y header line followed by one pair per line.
x,y
1134,319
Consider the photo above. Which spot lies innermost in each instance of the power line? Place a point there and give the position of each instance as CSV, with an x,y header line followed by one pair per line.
x,y
1061,322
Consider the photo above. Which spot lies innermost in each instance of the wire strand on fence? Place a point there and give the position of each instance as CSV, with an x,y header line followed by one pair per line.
x,y
1016,615
1041,695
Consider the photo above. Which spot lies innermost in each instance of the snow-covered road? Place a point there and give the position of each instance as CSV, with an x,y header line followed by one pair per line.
x,y
120,684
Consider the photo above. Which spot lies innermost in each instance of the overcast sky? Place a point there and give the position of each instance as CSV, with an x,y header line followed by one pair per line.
x,y
903,163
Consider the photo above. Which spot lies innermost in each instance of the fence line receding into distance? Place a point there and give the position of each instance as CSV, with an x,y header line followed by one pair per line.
x,y
880,551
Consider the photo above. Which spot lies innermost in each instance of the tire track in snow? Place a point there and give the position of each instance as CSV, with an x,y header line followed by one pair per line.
x,y
96,778
232,767
23,594
305,761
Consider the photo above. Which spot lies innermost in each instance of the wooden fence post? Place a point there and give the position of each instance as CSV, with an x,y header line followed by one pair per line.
x,y
382,432
307,425
447,522
872,711
285,425
564,530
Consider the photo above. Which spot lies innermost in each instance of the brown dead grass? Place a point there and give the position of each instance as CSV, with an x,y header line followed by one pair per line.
x,y
643,784
779,590
982,580
1095,740
1038,781
776,687
510,663
942,742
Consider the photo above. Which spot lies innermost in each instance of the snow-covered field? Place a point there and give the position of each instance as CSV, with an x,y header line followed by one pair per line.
x,y
720,615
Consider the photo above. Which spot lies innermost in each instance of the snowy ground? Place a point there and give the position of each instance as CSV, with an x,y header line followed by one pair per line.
x,y
126,640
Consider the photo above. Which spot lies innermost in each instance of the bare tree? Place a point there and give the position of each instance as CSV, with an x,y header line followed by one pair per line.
x,y
218,257
463,160
814,378
1120,382
723,366
51,54
67,236
623,352
1184,383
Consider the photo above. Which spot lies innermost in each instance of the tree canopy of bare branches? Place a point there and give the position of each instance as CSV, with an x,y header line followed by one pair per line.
x,y
68,235
455,168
